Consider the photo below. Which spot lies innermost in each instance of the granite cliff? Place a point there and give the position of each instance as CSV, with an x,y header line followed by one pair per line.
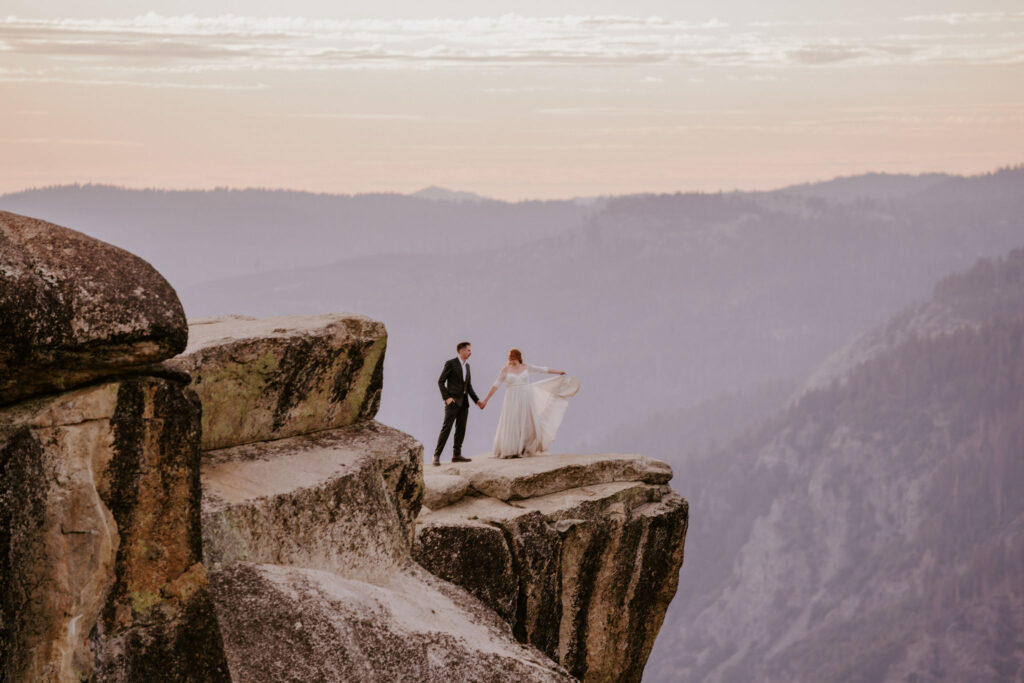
x,y
230,510
101,573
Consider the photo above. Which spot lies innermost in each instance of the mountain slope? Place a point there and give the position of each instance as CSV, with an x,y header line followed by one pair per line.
x,y
874,530
989,290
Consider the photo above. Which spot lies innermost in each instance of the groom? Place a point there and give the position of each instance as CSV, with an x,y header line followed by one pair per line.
x,y
455,385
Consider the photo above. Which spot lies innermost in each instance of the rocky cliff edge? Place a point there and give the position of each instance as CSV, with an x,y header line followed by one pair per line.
x,y
580,554
235,513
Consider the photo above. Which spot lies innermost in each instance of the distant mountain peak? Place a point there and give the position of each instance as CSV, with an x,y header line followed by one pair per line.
x,y
445,195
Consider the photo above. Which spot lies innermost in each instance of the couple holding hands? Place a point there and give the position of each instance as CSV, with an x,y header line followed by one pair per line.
x,y
530,415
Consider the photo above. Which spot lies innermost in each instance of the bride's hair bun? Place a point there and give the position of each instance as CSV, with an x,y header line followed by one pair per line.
x,y
516,355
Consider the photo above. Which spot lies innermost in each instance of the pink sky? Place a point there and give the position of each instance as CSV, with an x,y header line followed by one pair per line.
x,y
559,99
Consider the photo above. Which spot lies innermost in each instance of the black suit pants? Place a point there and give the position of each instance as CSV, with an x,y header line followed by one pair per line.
x,y
453,414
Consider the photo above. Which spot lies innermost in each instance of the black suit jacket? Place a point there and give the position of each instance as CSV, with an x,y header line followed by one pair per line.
x,y
451,384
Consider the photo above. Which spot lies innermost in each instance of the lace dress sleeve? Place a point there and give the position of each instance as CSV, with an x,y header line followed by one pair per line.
x,y
537,369
501,378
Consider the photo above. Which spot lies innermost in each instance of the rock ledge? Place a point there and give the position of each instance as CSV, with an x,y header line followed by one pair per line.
x,y
518,478
271,378
579,553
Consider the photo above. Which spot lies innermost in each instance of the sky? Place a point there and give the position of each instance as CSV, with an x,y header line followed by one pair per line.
x,y
512,100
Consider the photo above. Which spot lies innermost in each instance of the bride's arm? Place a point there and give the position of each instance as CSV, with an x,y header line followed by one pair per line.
x,y
538,369
494,387
483,403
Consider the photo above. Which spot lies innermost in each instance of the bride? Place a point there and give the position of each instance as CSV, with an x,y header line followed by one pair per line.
x,y
531,413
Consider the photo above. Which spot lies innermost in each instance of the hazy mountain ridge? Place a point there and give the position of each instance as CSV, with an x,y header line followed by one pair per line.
x,y
992,288
867,186
872,530
201,235
731,290
442,194
166,226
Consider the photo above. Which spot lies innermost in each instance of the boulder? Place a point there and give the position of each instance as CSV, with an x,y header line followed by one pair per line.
x,y
517,478
101,572
343,500
594,566
75,309
291,624
271,378
440,490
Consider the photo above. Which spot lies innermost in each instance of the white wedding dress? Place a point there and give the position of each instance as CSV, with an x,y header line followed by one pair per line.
x,y
531,413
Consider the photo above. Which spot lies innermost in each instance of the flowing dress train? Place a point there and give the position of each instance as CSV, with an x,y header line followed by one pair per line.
x,y
531,413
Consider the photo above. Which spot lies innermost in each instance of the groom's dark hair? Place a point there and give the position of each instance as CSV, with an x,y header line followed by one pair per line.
x,y
461,346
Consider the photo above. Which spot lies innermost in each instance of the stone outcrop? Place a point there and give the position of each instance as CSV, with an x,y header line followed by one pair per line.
x,y
309,542
264,379
75,309
308,537
101,572
580,554
235,513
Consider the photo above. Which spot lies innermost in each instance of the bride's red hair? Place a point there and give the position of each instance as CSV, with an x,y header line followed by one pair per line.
x,y
516,355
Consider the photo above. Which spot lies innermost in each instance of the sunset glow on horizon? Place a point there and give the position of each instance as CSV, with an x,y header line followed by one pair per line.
x,y
531,100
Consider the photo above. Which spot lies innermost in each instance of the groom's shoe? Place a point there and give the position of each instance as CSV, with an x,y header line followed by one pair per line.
x,y
459,458
437,461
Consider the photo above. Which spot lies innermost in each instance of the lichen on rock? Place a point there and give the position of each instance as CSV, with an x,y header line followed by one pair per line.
x,y
271,378
101,575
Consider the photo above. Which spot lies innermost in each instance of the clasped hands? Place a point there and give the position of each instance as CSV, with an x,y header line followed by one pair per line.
x,y
481,404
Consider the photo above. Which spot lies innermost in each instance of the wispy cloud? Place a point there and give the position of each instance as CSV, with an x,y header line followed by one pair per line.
x,y
156,44
958,18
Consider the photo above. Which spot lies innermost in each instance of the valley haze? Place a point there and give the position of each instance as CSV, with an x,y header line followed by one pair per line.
x,y
692,321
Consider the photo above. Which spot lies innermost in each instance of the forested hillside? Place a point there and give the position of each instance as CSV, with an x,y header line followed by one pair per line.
x,y
873,530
